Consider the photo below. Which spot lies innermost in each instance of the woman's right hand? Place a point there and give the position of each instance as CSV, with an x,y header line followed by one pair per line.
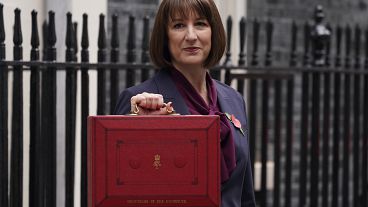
x,y
150,104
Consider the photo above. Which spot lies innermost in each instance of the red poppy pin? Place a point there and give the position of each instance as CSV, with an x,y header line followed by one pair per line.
x,y
235,122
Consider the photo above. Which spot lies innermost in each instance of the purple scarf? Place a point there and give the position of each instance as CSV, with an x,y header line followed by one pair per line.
x,y
197,106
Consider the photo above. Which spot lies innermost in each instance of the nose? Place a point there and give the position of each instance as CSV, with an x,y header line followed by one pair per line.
x,y
191,34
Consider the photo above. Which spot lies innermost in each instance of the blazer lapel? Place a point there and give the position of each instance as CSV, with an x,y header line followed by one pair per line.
x,y
167,88
226,103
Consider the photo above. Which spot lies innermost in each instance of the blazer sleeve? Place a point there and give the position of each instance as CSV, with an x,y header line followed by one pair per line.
x,y
123,105
248,198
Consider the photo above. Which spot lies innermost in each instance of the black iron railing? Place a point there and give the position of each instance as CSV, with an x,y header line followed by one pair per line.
x,y
307,117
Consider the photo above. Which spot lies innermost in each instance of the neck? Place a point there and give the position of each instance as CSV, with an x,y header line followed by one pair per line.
x,y
197,78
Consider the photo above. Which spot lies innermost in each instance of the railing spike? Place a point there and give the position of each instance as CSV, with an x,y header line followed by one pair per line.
x,y
2,29
2,33
366,48
357,40
85,38
347,45
75,40
243,32
338,46
242,54
51,36
131,56
4,138
145,57
307,30
145,42
101,57
269,34
114,57
16,152
229,26
35,40
114,32
294,35
85,109
17,38
69,39
35,116
102,33
131,53
255,42
328,46
44,40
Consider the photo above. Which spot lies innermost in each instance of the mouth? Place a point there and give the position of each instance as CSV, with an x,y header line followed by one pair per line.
x,y
191,49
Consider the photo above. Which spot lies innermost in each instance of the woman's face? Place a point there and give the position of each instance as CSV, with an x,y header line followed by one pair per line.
x,y
189,40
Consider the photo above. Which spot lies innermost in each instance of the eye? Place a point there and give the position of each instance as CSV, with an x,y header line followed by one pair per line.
x,y
178,25
202,24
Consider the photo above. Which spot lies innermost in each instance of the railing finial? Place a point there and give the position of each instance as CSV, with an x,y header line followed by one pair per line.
x,y
17,38
51,36
145,42
85,38
256,25
320,35
115,33
229,26
366,49
338,46
357,42
294,35
307,29
269,34
102,33
131,55
347,46
75,37
2,29
35,40
69,39
243,32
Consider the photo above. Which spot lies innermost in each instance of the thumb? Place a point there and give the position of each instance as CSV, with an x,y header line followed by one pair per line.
x,y
165,110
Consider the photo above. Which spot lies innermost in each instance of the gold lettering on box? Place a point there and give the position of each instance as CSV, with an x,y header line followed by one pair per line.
x,y
175,201
137,201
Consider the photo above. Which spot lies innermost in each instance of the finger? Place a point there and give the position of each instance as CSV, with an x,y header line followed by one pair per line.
x,y
133,105
160,102
135,101
141,100
153,101
169,108
161,111
157,101
149,101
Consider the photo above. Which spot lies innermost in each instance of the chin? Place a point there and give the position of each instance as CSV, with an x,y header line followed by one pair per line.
x,y
193,61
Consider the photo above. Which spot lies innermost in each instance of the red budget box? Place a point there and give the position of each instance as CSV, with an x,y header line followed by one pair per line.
x,y
153,161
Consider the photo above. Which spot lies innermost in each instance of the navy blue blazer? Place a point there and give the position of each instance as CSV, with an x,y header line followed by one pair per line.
x,y
238,190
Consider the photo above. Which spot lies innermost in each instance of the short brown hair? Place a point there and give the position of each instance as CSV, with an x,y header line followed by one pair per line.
x,y
159,49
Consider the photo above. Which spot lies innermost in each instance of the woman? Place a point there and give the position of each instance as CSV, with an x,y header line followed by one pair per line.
x,y
187,39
